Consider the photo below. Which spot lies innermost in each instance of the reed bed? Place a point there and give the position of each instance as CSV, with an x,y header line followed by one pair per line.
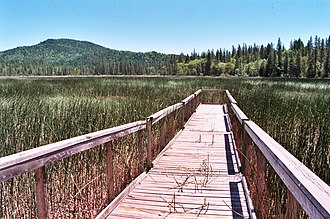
x,y
38,111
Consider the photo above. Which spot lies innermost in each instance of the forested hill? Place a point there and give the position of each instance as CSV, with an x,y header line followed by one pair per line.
x,y
66,56
72,57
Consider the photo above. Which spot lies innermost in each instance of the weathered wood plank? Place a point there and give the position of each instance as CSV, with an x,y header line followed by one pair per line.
x,y
169,216
217,204
180,208
188,194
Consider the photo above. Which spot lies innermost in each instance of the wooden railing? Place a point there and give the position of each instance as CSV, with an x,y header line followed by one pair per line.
x,y
36,159
259,155
264,162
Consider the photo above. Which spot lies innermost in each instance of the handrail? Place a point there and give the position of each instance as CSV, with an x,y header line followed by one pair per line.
x,y
168,110
239,113
188,99
19,163
312,193
230,97
164,112
198,92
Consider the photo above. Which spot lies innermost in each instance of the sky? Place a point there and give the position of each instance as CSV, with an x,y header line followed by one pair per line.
x,y
167,26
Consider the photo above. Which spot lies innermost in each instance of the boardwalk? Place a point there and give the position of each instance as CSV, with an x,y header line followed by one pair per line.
x,y
195,176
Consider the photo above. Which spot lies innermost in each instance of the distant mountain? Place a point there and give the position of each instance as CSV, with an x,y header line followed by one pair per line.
x,y
67,56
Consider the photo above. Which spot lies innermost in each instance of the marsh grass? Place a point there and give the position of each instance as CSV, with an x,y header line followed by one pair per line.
x,y
38,111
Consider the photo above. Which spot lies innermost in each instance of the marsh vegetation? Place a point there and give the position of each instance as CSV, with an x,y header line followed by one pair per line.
x,y
39,111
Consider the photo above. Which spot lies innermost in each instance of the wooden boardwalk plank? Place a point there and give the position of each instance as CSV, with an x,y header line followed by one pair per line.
x,y
196,176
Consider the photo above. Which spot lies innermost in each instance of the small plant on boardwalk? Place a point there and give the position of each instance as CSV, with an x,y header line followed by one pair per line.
x,y
206,170
175,207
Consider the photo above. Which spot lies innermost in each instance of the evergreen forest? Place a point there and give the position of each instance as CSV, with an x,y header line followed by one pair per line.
x,y
53,57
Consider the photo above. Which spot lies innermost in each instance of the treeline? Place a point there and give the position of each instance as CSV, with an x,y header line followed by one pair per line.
x,y
72,57
102,68
299,60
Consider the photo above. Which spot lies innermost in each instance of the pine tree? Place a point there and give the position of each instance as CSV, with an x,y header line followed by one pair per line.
x,y
238,62
279,57
208,64
233,52
297,68
316,56
187,59
322,51
193,55
269,66
271,60
311,69
262,52
327,61
286,68
217,55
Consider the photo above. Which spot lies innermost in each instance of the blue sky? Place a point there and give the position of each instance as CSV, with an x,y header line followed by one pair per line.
x,y
169,26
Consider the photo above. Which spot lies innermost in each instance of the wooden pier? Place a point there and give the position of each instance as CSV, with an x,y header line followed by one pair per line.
x,y
197,174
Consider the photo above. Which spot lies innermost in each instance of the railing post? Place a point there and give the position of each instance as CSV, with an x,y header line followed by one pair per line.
x,y
227,101
189,109
140,151
242,144
223,96
110,177
262,197
163,134
149,143
292,206
172,125
196,101
247,151
40,190
183,114
193,104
